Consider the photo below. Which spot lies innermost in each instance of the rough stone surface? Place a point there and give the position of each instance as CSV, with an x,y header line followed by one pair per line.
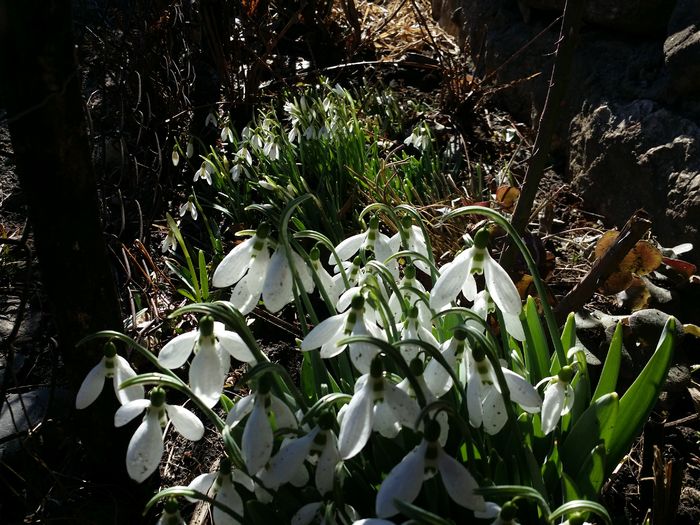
x,y
629,130
633,16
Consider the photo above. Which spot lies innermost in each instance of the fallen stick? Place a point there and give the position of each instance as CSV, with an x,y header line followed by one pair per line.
x,y
634,229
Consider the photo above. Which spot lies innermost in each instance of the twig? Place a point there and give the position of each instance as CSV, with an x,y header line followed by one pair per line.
x,y
635,228
551,112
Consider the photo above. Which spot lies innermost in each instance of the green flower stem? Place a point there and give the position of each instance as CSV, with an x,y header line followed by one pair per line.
x,y
552,326
190,266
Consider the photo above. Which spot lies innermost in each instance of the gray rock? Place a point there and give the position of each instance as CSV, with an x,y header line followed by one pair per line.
x,y
682,55
632,16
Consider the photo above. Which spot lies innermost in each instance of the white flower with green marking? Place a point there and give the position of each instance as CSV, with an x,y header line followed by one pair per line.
x,y
220,486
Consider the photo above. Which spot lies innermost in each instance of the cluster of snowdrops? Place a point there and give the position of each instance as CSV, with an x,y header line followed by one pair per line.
x,y
416,402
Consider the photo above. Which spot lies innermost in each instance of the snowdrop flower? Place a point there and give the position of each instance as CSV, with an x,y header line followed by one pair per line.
x,y
483,305
484,397
426,460
258,438
377,404
175,157
255,274
458,275
171,514
111,366
212,345
417,370
211,119
189,207
419,138
271,150
169,243
406,285
226,134
437,378
412,329
370,240
412,239
352,322
189,151
333,285
558,398
204,172
146,445
504,515
319,445
220,486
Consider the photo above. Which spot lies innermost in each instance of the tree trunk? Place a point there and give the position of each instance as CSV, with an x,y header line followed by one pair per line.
x,y
41,90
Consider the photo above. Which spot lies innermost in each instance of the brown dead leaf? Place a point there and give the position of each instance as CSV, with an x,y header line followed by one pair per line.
x,y
506,196
683,267
643,259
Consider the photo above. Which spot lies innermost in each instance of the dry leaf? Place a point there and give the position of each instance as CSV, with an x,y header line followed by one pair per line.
x,y
506,196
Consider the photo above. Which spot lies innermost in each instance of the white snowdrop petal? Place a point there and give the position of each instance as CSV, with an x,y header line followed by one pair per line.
x,y
474,401
277,288
202,483
185,422
449,283
568,400
493,409
306,514
284,417
232,343
522,392
234,265
228,496
514,326
177,350
240,409
501,287
242,298
404,406
258,269
122,372
348,247
302,268
324,332
205,377
356,426
436,377
129,411
552,406
384,421
145,449
460,484
91,386
290,458
403,482
257,438
327,461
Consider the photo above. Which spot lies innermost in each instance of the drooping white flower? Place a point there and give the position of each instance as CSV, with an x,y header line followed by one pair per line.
x,y
111,366
146,445
258,435
333,285
412,238
175,157
169,243
204,172
256,274
189,151
412,329
220,486
226,134
485,399
213,346
190,207
483,305
211,119
329,332
458,275
371,240
171,514
437,378
408,286
320,446
558,398
425,461
377,404
417,370
316,512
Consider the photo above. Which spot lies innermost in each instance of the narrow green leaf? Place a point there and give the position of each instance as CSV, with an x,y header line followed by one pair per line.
x,y
591,475
186,294
568,335
611,367
580,505
569,488
640,398
536,349
203,277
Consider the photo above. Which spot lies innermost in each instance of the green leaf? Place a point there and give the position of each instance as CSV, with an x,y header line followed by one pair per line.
x,y
611,367
186,294
640,398
203,278
595,426
591,475
536,348
580,505
569,488
568,335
